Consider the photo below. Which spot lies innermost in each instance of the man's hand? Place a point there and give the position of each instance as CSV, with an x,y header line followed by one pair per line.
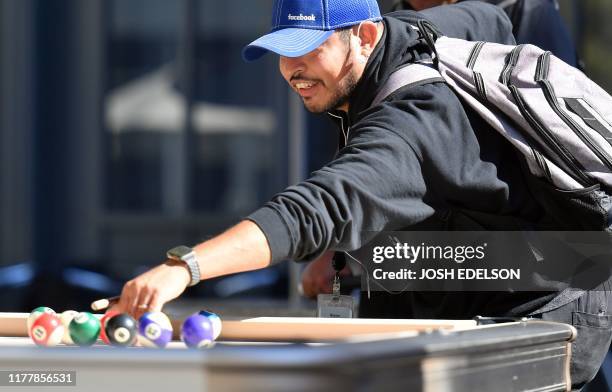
x,y
151,290
318,276
243,247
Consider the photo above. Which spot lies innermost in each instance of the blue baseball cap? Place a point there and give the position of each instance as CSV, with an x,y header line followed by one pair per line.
x,y
300,26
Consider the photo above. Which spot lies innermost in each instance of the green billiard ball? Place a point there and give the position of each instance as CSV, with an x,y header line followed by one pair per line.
x,y
84,329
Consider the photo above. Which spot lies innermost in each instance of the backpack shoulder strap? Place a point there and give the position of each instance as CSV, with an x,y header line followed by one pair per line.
x,y
411,75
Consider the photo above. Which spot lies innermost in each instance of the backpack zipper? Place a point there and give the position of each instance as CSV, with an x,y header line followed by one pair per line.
x,y
549,93
551,141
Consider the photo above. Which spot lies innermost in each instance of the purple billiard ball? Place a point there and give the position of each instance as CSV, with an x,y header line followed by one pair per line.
x,y
197,331
155,329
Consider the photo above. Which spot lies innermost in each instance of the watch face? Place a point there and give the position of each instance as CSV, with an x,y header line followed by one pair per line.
x,y
179,251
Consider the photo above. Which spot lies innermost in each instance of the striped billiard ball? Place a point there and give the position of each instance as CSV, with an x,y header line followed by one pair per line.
x,y
214,319
154,329
47,330
34,314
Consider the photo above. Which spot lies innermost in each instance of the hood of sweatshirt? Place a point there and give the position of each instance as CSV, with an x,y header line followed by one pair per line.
x,y
401,44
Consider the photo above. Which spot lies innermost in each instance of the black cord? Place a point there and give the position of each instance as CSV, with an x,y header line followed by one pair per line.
x,y
339,261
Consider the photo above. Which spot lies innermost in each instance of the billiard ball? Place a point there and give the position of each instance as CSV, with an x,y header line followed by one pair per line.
x,y
214,319
121,330
103,321
36,313
197,331
66,317
154,329
47,330
84,329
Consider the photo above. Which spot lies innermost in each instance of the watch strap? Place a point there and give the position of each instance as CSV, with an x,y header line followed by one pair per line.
x,y
187,255
194,268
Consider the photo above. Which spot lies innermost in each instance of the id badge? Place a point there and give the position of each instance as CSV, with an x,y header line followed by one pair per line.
x,y
334,306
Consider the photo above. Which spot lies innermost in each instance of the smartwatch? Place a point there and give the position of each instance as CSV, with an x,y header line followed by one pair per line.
x,y
186,255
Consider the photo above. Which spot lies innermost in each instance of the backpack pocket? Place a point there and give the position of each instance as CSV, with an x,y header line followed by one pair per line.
x,y
582,209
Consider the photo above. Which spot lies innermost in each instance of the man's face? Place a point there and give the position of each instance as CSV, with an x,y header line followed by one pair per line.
x,y
325,77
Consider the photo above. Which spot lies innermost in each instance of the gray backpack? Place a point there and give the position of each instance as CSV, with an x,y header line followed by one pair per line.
x,y
558,120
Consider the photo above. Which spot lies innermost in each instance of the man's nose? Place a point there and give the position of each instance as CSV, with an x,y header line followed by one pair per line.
x,y
292,65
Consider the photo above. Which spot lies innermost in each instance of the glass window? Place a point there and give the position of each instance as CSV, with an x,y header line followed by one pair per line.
x,y
143,109
194,137
237,112
232,111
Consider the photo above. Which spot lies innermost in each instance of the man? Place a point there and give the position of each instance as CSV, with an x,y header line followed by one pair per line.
x,y
418,160
536,22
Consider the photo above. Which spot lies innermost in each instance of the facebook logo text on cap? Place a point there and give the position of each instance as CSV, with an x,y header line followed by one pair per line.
x,y
300,26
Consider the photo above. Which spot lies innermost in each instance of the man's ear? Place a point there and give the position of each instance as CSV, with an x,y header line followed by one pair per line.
x,y
367,32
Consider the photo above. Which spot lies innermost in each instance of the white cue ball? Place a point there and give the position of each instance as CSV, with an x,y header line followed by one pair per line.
x,y
66,317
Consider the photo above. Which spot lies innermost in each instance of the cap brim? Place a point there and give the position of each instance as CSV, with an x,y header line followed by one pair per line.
x,y
289,42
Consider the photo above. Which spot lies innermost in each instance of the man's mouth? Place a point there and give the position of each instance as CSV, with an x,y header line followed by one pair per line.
x,y
304,85
305,88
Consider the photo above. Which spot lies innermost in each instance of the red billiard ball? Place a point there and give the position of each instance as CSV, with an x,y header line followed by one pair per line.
x,y
47,330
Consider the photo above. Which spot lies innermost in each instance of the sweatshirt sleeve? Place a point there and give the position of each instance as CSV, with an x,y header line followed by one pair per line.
x,y
373,184
405,159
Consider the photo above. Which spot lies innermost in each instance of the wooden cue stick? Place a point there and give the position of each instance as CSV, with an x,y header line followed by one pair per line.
x,y
104,303
324,329
282,328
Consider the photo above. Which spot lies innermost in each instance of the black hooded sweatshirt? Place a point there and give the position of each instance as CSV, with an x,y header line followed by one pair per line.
x,y
418,160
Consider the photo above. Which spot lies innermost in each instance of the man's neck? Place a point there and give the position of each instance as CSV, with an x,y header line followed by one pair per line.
x,y
381,29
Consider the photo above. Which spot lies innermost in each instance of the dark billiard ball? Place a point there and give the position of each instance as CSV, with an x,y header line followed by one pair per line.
x,y
197,331
121,330
103,321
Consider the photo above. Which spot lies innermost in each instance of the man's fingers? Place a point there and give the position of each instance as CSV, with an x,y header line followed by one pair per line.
x,y
308,285
113,308
128,303
155,304
141,304
125,300
151,290
148,302
134,297
308,292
